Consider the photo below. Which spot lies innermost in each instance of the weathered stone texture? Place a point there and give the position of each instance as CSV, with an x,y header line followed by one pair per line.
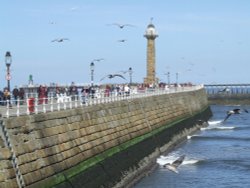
x,y
47,144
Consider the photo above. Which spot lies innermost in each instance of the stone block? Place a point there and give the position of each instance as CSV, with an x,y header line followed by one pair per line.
x,y
32,177
5,164
5,153
11,183
9,173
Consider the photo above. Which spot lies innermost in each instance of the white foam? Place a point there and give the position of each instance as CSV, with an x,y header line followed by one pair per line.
x,y
162,160
190,136
205,128
190,161
167,159
220,128
214,122
225,128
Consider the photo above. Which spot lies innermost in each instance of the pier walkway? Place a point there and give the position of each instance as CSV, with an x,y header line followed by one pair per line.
x,y
35,105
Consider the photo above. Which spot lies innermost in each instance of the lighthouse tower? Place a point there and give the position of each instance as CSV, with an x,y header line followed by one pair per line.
x,y
150,35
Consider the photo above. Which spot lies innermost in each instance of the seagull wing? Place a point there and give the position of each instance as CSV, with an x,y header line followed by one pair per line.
x,y
104,77
228,115
119,25
245,110
122,40
178,161
171,168
119,76
123,72
129,25
236,110
55,40
98,59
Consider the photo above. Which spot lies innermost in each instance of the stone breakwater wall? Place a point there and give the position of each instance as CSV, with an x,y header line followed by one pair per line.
x,y
229,99
93,146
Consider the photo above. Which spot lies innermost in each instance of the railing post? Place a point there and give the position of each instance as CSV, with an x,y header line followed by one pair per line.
x,y
64,103
17,107
8,109
76,101
81,99
27,104
36,105
70,102
51,104
44,108
58,105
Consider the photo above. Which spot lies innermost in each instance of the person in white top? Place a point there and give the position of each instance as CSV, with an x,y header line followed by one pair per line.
x,y
126,90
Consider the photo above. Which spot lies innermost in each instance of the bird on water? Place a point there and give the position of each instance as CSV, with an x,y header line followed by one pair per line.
x,y
174,165
110,76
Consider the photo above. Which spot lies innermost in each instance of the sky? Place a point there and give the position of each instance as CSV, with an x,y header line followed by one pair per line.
x,y
204,41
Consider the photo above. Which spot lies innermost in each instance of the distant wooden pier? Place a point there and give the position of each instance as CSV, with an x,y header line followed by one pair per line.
x,y
233,94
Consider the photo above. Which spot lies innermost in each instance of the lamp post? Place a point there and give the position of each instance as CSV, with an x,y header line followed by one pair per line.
x,y
168,74
8,61
92,68
177,77
130,75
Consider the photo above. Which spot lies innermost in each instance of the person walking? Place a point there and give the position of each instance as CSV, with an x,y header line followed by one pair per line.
x,y
21,95
7,96
73,91
15,94
1,98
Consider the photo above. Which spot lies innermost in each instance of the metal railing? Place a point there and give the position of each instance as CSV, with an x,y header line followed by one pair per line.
x,y
35,105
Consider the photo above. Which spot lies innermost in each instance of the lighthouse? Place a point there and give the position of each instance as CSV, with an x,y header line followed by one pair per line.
x,y
150,35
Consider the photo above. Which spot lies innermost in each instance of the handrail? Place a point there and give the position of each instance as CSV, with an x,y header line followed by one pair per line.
x,y
35,105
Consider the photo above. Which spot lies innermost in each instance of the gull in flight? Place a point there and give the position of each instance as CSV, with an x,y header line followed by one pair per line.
x,y
124,72
234,111
110,76
60,40
100,59
174,165
52,23
121,26
122,40
224,90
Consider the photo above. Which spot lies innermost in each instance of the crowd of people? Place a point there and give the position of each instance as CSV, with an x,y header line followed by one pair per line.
x,y
42,92
6,95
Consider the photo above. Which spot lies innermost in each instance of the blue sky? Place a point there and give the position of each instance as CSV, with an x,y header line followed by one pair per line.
x,y
204,41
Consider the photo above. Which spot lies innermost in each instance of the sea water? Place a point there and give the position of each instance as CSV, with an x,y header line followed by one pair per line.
x,y
217,156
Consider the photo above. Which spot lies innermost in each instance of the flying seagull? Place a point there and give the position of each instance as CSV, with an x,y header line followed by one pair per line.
x,y
124,72
100,59
234,111
110,76
121,26
174,165
224,90
60,40
52,23
122,40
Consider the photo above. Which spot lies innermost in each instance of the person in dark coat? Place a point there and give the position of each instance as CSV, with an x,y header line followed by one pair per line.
x,y
21,95
15,94
73,91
